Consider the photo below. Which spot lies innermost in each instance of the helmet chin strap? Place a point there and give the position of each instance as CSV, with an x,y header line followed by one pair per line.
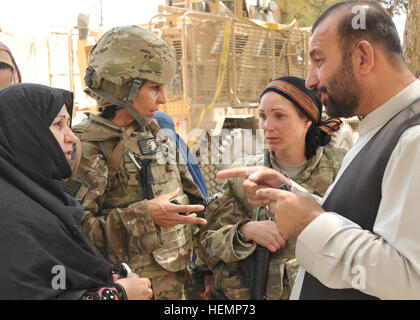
x,y
135,87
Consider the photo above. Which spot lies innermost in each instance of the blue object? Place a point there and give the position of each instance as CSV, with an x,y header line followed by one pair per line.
x,y
167,124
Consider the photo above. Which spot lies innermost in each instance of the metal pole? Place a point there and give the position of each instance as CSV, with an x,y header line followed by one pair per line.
x,y
102,19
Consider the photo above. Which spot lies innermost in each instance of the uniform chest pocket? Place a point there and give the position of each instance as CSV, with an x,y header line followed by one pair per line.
x,y
166,177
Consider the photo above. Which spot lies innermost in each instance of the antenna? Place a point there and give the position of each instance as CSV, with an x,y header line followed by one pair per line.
x,y
101,24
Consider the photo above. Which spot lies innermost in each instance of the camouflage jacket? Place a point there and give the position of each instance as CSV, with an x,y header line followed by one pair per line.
x,y
219,241
116,215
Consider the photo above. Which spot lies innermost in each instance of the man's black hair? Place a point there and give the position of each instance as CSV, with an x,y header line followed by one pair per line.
x,y
380,29
5,66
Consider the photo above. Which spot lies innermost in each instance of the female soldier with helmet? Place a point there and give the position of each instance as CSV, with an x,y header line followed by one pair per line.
x,y
125,192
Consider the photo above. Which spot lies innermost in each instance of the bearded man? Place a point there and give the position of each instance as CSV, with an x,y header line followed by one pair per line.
x,y
362,242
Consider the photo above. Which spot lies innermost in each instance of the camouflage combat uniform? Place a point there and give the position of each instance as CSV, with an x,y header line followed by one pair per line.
x,y
117,218
119,167
223,248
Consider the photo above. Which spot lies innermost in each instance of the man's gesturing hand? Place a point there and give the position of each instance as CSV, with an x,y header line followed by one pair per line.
x,y
255,179
293,210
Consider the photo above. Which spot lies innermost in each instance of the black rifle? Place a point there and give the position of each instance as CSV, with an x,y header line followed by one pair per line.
x,y
218,295
255,269
255,266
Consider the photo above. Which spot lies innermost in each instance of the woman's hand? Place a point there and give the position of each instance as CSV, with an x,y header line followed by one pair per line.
x,y
265,233
166,214
136,288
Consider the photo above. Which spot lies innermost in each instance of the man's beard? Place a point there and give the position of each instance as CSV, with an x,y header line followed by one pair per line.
x,y
343,93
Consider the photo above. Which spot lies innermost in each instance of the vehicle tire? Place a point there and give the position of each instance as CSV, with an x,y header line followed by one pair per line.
x,y
217,161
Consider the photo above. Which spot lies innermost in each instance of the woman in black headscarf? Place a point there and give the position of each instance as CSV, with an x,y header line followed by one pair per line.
x,y
44,253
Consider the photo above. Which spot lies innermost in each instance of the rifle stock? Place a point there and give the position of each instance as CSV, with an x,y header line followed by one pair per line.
x,y
261,255
255,269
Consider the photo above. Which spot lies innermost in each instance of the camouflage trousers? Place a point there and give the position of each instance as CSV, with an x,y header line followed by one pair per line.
x,y
171,286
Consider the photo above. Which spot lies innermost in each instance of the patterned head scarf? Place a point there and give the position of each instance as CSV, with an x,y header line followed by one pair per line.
x,y
305,100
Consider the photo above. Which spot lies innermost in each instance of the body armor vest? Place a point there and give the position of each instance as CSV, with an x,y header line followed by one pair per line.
x,y
131,154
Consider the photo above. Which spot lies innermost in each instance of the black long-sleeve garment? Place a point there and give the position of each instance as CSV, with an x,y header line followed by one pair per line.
x,y
41,239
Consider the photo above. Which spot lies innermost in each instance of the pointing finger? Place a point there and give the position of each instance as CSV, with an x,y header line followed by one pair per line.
x,y
242,172
270,193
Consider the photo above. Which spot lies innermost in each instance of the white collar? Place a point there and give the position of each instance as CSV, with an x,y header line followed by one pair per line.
x,y
386,111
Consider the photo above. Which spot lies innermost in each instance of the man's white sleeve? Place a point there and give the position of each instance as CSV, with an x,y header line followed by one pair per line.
x,y
385,263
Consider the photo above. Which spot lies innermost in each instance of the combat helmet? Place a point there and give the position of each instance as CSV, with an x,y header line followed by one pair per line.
x,y
122,60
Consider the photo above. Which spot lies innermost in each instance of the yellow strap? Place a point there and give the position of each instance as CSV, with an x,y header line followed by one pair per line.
x,y
221,70
274,26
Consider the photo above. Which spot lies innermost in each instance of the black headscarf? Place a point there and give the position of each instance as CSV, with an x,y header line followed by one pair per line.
x,y
40,225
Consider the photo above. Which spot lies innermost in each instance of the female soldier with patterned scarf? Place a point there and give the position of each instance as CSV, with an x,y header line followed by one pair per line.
x,y
290,116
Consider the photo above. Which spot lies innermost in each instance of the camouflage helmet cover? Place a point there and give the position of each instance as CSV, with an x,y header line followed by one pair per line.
x,y
129,52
